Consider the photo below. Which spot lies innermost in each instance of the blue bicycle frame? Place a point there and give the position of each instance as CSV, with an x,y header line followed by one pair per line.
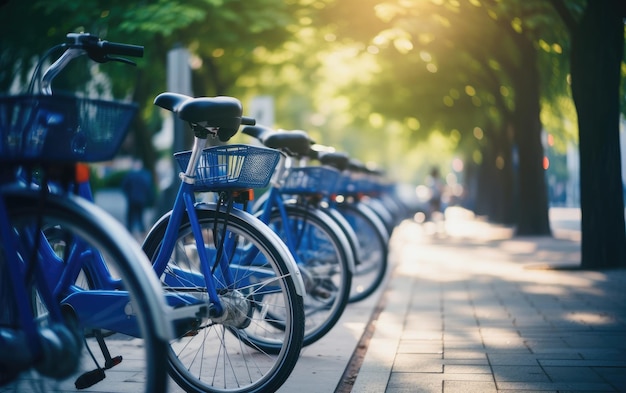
x,y
216,268
217,271
275,200
17,272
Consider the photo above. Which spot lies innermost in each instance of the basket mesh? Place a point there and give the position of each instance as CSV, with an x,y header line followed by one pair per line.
x,y
347,184
357,183
61,128
232,167
314,179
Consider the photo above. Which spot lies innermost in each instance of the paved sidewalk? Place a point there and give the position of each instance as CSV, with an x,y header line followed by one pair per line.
x,y
475,310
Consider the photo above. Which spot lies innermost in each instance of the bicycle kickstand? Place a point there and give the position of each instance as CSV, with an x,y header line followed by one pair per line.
x,y
90,378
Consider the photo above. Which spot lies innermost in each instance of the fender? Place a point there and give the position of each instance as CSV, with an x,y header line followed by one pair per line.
x,y
346,229
378,222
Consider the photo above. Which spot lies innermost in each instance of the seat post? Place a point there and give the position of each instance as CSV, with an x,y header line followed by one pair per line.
x,y
199,143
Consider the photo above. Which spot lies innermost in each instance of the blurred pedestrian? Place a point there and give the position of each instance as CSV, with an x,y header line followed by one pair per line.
x,y
435,185
137,187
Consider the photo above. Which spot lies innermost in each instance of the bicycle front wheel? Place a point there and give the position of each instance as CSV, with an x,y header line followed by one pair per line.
x,y
324,256
86,231
245,351
372,235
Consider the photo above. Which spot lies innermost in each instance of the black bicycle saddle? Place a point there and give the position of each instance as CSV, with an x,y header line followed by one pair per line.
x,y
170,101
295,142
335,159
223,113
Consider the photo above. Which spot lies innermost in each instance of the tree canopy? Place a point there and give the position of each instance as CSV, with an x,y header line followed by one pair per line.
x,y
476,80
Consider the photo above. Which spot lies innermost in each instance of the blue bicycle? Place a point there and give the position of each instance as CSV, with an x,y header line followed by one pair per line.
x,y
215,254
319,239
369,230
50,238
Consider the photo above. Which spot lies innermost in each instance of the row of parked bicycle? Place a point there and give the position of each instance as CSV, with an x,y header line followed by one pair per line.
x,y
225,290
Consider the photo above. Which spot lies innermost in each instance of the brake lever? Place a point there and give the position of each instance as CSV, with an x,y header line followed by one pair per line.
x,y
121,60
99,57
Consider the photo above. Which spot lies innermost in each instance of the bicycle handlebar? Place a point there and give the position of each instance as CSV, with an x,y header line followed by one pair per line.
x,y
116,48
247,121
98,50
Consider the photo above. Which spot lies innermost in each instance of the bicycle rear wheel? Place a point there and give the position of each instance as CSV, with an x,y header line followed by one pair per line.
x,y
86,227
245,352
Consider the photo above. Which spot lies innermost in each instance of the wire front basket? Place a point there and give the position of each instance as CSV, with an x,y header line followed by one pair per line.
x,y
61,128
232,167
358,183
311,180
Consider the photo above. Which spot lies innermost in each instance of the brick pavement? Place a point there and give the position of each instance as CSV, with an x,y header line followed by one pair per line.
x,y
474,310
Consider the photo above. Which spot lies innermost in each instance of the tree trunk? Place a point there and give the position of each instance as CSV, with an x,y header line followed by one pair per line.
x,y
484,184
532,196
597,51
495,194
142,143
503,162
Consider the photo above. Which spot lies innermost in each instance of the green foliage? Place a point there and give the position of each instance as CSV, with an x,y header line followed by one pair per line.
x,y
220,34
368,76
163,17
448,66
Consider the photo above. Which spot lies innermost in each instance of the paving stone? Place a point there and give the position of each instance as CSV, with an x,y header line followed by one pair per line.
x,y
519,373
418,363
531,386
469,387
465,355
573,374
414,383
583,363
466,369
511,359
421,346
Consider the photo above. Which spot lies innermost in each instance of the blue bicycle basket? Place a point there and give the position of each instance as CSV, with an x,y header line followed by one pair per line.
x,y
61,128
311,180
232,167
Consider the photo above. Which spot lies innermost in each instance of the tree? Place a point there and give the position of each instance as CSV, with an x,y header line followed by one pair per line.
x,y
596,64
221,34
459,66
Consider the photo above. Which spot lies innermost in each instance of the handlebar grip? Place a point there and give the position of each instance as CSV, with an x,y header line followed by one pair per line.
x,y
247,121
114,48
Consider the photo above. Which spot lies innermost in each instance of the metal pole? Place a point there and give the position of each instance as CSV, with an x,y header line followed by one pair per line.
x,y
178,81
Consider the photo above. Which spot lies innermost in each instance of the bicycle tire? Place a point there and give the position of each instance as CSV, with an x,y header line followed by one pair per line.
x,y
347,230
102,232
269,355
373,237
328,274
382,211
